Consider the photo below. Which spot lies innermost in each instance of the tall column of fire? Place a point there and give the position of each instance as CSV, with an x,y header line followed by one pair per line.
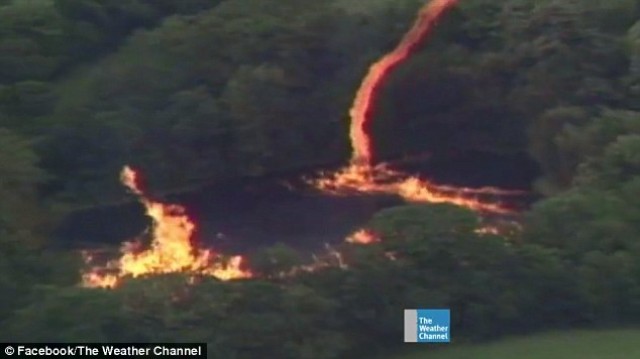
x,y
362,175
361,109
171,249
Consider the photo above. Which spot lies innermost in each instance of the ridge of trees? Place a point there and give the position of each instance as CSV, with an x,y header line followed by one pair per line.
x,y
201,91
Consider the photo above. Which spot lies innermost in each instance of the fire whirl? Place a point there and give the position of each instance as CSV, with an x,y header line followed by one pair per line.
x,y
360,111
361,175
171,248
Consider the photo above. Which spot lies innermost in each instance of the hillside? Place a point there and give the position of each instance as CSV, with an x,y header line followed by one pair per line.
x,y
610,344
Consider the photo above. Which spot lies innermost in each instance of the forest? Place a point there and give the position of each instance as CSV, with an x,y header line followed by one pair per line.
x,y
536,95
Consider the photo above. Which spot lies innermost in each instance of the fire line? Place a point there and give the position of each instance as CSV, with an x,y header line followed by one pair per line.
x,y
172,250
361,175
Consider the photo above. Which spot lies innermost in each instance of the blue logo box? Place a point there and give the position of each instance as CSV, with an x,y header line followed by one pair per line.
x,y
427,326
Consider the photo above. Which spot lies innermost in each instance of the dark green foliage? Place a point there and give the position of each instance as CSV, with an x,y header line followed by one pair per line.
x,y
241,320
64,315
26,259
595,226
277,261
201,91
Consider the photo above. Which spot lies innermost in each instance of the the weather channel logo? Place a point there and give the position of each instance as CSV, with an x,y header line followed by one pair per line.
x,y
427,326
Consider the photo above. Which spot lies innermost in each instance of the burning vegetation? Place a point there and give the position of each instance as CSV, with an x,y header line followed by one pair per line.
x,y
171,249
362,175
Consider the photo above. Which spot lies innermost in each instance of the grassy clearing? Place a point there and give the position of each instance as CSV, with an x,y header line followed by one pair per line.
x,y
609,344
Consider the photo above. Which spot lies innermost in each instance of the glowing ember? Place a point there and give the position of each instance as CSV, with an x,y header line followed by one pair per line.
x,y
502,228
362,236
361,176
330,258
171,249
488,230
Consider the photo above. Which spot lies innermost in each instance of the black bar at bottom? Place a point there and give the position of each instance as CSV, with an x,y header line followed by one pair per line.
x,y
120,350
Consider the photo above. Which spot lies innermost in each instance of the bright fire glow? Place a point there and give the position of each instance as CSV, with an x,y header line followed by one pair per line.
x,y
379,179
363,236
360,111
361,176
171,248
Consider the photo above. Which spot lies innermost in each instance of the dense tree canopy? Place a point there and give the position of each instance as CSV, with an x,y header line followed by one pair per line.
x,y
206,91
201,91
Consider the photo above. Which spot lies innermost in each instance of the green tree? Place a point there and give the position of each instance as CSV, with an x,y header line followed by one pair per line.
x,y
284,322
448,264
25,223
617,167
562,58
68,314
20,213
31,41
550,144
594,226
564,138
233,91
275,261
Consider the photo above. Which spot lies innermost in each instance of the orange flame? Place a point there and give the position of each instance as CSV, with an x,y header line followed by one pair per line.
x,y
360,111
362,236
379,179
361,176
171,248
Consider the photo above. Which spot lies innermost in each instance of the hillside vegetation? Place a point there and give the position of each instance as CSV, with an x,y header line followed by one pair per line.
x,y
201,91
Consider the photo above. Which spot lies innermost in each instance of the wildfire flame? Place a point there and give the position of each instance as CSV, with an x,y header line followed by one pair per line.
x,y
360,111
379,179
171,247
362,236
361,175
